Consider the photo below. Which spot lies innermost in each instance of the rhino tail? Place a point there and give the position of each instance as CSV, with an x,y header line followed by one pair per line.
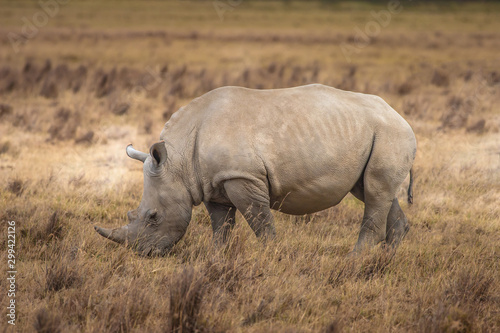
x,y
410,188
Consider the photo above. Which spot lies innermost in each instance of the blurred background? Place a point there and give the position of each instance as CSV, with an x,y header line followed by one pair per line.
x,y
79,80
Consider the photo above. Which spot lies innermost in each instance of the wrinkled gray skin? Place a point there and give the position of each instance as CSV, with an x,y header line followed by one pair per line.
x,y
298,150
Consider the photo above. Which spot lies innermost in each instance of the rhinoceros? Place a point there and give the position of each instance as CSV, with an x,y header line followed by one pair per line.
x,y
297,150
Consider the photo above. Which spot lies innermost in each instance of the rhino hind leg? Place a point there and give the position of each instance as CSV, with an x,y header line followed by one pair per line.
x,y
252,200
384,173
397,225
223,220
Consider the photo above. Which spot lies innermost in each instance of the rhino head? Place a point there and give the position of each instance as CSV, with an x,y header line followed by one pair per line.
x,y
164,213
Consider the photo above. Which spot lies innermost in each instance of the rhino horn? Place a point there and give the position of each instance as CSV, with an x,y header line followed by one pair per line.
x,y
135,154
118,235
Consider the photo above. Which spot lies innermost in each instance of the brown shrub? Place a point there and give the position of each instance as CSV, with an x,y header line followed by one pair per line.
x,y
44,71
477,127
405,88
349,79
78,78
367,267
85,138
440,78
128,311
445,318
64,125
47,322
105,83
170,107
46,230
63,272
49,89
493,78
262,312
179,73
470,287
333,327
17,186
121,108
186,293
457,114
225,273
4,147
5,109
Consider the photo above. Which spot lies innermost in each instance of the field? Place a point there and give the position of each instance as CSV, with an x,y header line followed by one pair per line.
x,y
76,88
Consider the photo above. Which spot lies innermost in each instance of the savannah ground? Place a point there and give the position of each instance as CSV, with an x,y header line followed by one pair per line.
x,y
100,75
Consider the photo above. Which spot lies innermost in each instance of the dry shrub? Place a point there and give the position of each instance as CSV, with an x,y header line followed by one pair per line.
x,y
46,231
47,322
63,272
5,110
148,126
416,107
349,79
477,127
470,287
49,89
273,305
4,147
178,73
405,88
78,79
457,114
366,267
105,83
228,268
225,273
264,311
186,293
128,311
333,327
85,138
445,318
121,108
440,78
17,186
64,125
170,106
493,78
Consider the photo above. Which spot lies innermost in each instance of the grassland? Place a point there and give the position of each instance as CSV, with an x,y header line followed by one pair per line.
x,y
102,74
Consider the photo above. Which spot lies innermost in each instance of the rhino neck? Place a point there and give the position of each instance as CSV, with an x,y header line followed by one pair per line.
x,y
186,161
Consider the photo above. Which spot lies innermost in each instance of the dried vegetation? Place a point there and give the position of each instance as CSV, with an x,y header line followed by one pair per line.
x,y
65,119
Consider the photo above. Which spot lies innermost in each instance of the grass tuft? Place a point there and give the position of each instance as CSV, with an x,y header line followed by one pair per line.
x,y
186,293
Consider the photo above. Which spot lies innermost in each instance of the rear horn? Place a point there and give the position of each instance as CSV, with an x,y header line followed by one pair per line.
x,y
135,154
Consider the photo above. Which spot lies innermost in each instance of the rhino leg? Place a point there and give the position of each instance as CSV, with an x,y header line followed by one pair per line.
x,y
223,220
252,200
397,225
373,227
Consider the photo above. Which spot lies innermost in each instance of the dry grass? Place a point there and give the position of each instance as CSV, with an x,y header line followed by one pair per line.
x,y
66,117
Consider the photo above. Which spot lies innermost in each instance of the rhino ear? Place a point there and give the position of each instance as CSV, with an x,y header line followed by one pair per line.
x,y
159,153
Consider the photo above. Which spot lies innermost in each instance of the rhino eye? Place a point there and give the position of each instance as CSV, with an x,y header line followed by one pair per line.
x,y
152,214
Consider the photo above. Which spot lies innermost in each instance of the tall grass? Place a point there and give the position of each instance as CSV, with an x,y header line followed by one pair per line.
x,y
65,119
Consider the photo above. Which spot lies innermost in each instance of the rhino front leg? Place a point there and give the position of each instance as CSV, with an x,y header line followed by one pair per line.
x,y
252,200
223,220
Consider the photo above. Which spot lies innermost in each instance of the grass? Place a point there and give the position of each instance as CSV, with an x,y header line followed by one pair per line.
x,y
83,89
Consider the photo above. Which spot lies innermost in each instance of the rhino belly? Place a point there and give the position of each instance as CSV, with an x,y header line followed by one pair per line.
x,y
317,195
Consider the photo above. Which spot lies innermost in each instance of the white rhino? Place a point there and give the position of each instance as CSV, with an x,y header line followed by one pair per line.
x,y
297,150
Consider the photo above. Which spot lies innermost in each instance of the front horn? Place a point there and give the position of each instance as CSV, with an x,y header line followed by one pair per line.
x,y
135,154
118,235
